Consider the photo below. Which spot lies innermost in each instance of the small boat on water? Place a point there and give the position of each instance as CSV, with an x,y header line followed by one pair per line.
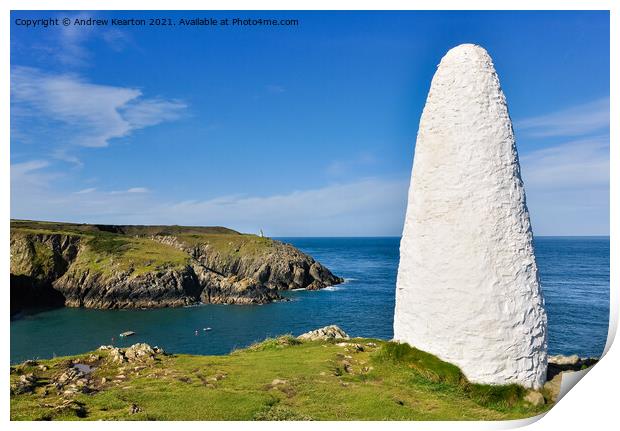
x,y
127,334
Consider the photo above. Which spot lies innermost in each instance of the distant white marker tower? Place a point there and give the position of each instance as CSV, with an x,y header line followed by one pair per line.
x,y
468,288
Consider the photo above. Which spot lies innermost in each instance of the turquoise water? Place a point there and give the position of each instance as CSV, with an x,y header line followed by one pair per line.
x,y
574,273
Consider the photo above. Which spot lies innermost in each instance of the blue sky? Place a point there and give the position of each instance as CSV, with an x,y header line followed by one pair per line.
x,y
306,130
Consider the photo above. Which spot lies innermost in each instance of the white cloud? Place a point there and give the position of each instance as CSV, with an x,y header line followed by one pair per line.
x,y
578,120
576,164
89,114
116,39
138,190
31,174
567,184
67,45
84,191
337,168
367,207
567,187
20,169
150,112
130,190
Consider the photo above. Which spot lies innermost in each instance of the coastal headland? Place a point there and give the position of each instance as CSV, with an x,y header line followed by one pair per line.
x,y
123,266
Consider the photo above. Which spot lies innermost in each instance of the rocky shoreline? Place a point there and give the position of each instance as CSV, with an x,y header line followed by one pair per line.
x,y
100,266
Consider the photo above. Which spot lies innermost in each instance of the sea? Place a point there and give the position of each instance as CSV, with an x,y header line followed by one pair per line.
x,y
574,273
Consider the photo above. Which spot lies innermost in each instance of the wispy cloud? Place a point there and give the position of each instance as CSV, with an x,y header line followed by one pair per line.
x,y
578,120
31,174
84,191
89,115
68,45
19,169
376,205
150,112
337,168
567,183
116,39
138,190
130,190
576,164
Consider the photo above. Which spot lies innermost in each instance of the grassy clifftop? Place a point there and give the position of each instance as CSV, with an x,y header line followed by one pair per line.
x,y
109,249
118,247
123,266
94,229
278,379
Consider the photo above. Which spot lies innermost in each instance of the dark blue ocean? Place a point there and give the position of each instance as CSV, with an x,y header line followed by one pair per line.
x,y
574,273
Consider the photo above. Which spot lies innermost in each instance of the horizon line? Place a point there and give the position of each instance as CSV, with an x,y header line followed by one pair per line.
x,y
11,219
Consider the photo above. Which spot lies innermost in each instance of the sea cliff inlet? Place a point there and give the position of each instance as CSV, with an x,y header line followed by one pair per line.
x,y
574,275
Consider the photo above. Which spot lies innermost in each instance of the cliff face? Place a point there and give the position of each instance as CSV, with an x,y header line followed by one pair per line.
x,y
152,266
280,267
36,261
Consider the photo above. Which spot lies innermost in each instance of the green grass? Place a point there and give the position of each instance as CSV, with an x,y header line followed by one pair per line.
x,y
109,249
313,383
433,372
235,245
273,343
113,254
108,244
43,259
427,365
131,230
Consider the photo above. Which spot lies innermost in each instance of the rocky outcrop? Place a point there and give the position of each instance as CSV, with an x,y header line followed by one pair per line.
x,y
331,332
280,267
24,385
535,398
233,289
87,268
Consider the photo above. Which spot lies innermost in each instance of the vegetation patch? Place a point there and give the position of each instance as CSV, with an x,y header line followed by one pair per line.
x,y
280,413
108,244
239,244
278,379
275,343
447,378
113,248
43,259
428,366
109,254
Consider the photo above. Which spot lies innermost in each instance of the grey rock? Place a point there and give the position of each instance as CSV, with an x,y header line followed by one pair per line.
x,y
331,332
563,360
552,387
25,384
535,398
139,352
116,356
134,408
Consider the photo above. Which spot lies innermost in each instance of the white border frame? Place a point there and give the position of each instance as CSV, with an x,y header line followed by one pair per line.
x,y
591,405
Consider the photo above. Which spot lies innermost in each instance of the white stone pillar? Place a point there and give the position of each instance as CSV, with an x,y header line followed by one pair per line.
x,y
468,288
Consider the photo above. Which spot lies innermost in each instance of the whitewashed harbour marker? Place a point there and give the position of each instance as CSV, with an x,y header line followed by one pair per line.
x,y
468,288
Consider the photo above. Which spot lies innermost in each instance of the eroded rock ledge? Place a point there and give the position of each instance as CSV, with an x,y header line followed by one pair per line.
x,y
102,266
